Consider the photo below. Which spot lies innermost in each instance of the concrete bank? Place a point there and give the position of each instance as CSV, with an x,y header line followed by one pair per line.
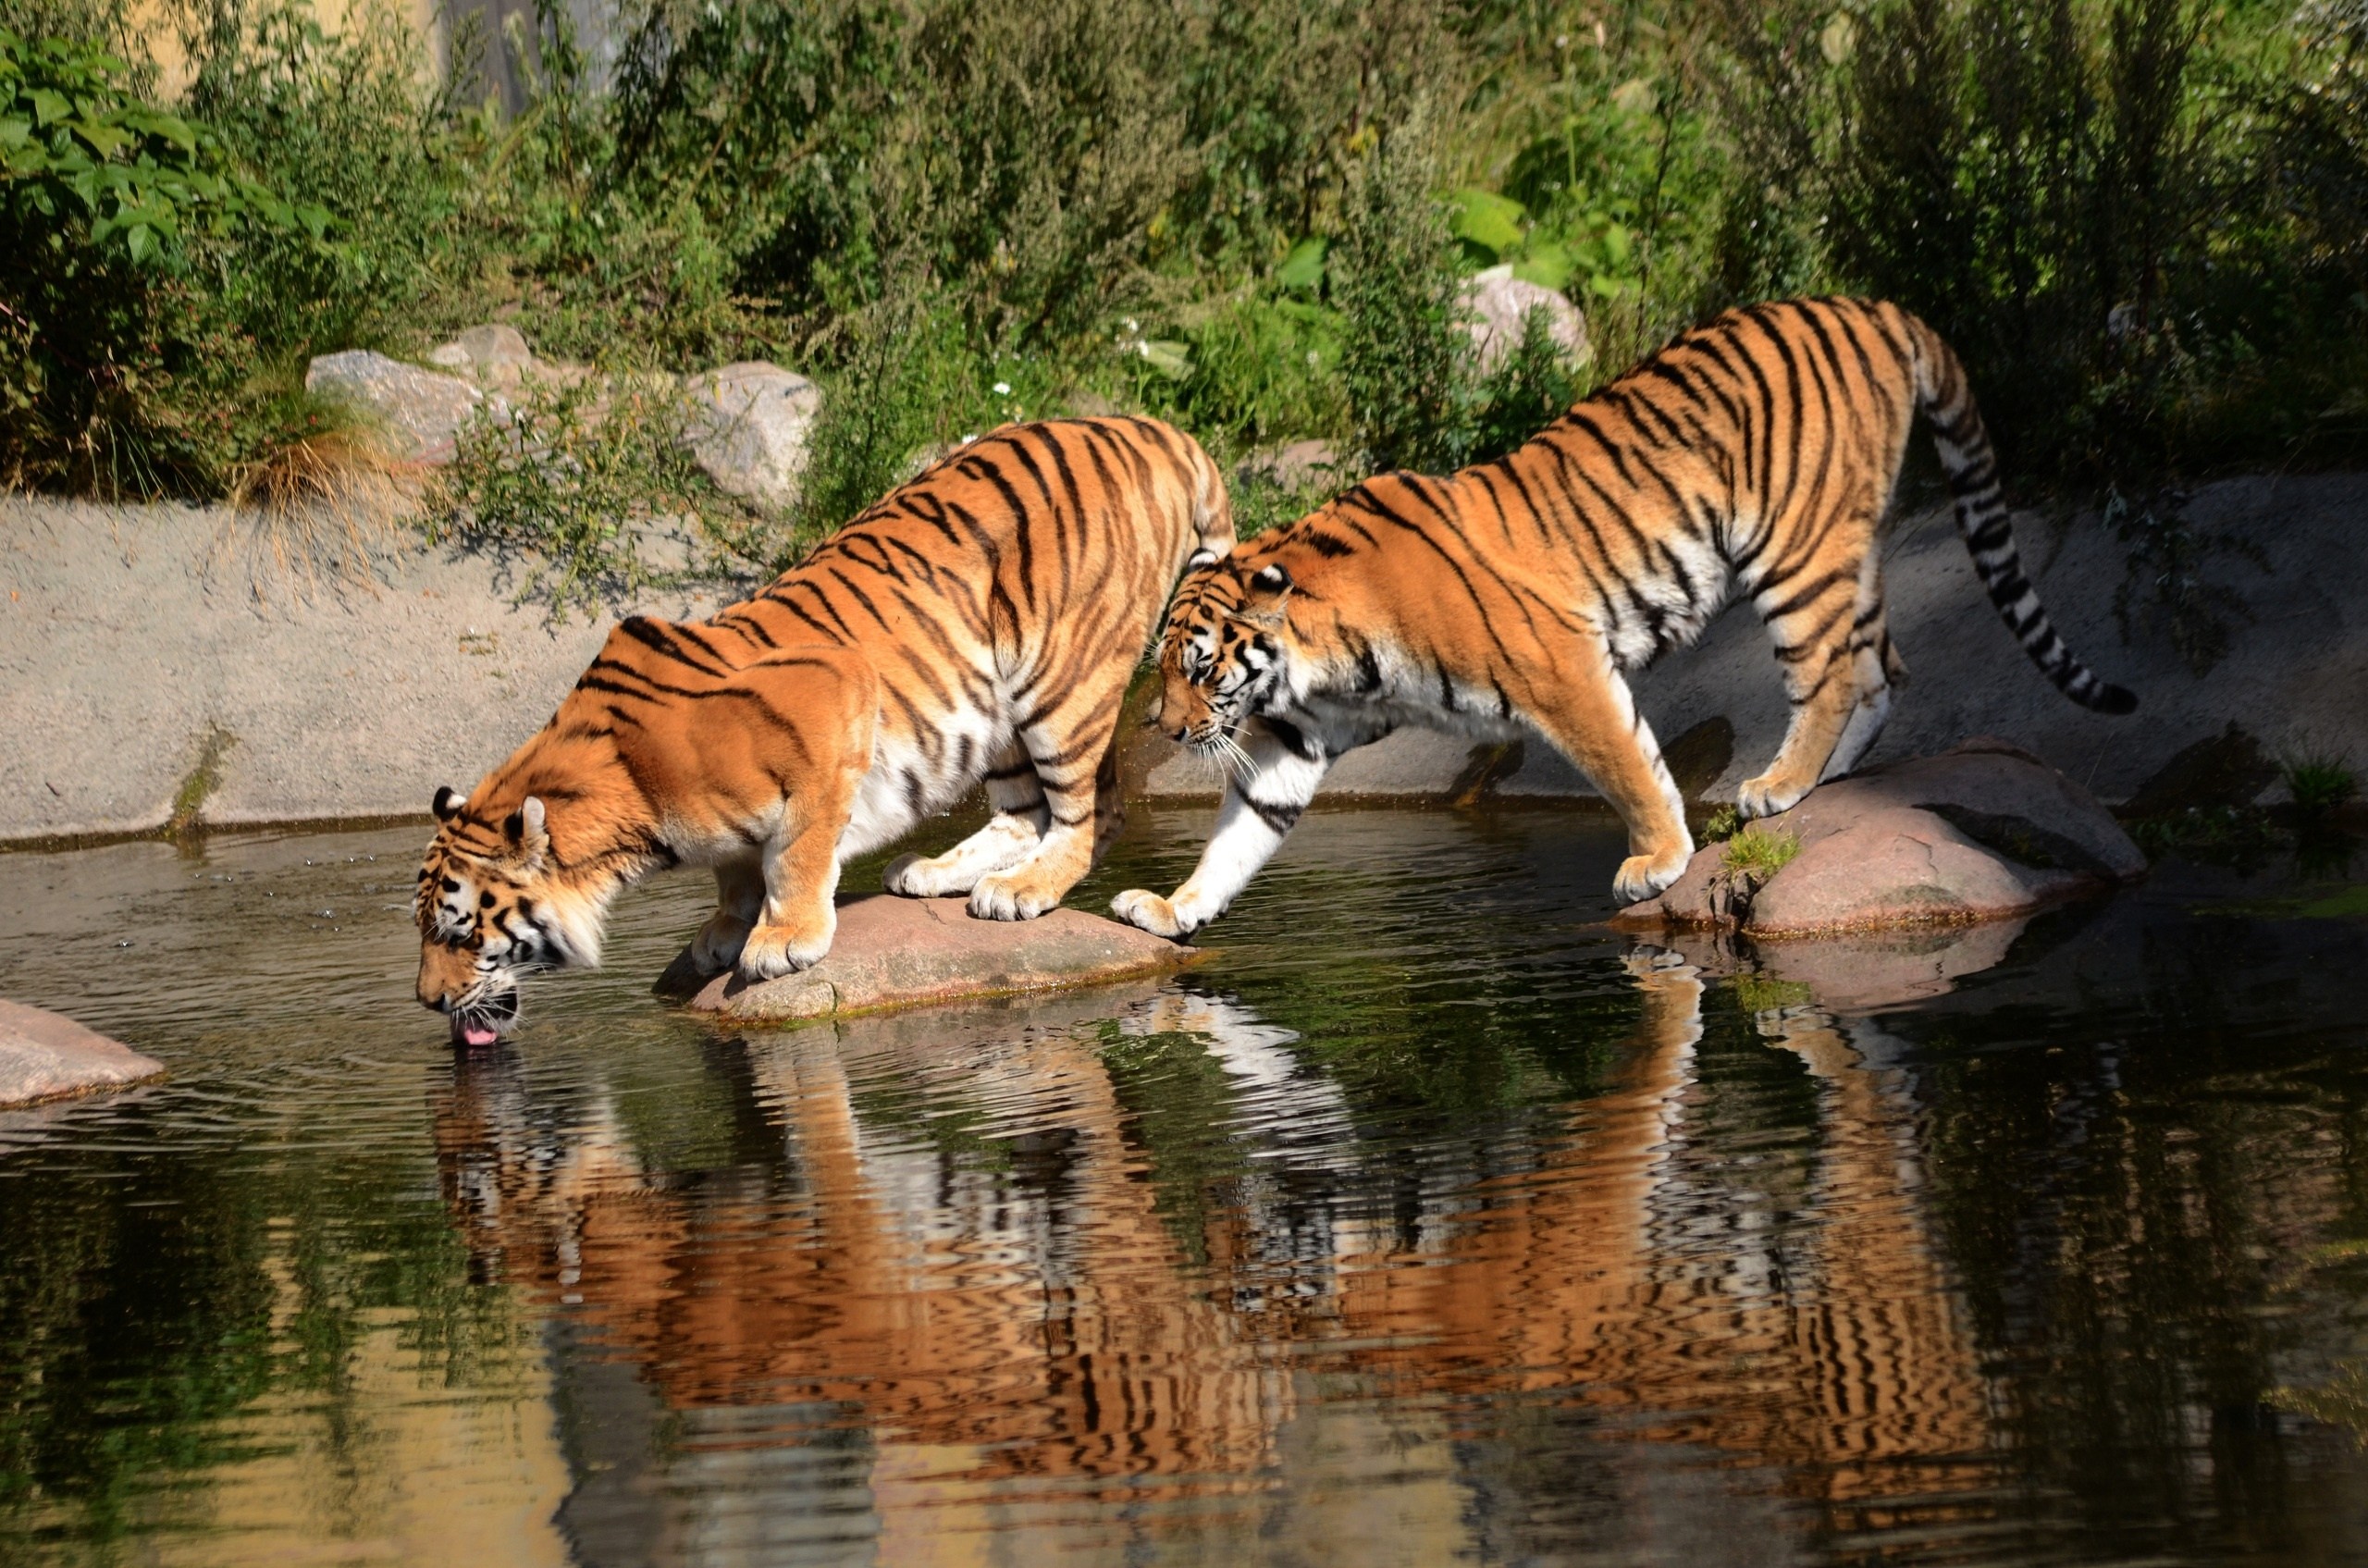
x,y
153,668
2295,678
155,663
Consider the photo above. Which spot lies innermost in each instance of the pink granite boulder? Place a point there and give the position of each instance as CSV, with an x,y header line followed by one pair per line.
x,y
45,1056
1983,831
894,953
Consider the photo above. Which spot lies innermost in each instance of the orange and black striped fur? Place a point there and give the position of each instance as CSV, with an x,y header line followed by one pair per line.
x,y
979,623
1752,457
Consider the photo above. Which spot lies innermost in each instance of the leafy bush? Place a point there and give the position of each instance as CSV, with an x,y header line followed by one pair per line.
x,y
111,211
581,481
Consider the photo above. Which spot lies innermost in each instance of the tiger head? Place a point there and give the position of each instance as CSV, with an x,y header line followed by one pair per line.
x,y
494,904
1225,657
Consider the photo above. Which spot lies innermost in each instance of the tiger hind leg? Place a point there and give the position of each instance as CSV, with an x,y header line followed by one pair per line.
x,y
1011,834
1831,639
739,900
1070,745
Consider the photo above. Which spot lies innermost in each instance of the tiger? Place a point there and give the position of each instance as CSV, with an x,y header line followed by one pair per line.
x,y
1754,455
979,623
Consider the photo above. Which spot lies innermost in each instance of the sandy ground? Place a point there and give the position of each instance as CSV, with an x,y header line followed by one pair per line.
x,y
130,636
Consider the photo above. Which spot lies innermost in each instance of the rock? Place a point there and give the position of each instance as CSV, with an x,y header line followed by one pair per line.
x,y
1500,303
1855,972
1697,758
2227,769
424,408
748,427
45,1056
1980,833
1295,467
893,952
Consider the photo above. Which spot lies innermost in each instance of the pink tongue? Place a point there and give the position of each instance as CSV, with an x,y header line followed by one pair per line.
x,y
478,1034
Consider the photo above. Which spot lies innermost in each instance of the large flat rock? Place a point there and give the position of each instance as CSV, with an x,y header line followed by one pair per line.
x,y
1983,831
894,953
46,1057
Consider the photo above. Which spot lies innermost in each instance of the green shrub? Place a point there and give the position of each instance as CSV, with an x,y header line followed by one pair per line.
x,y
580,481
2319,784
1760,851
121,368
1396,282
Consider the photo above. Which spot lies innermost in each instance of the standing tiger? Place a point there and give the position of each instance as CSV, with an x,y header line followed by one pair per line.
x,y
979,623
1753,455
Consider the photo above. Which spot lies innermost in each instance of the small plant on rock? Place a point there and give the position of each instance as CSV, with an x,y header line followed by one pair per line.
x,y
2319,784
1760,852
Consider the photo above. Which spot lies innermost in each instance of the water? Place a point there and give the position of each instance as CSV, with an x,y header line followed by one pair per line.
x,y
1430,1221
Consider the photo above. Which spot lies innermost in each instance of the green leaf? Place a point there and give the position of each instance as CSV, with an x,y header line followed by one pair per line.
x,y
49,108
140,241
1486,219
1303,268
1617,242
1548,265
106,139
1172,360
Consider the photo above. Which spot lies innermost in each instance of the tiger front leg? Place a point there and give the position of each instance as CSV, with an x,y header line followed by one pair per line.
x,y
1260,808
828,755
1586,710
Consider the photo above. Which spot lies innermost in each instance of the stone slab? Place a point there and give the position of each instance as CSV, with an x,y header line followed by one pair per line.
x,y
893,953
1983,831
44,1055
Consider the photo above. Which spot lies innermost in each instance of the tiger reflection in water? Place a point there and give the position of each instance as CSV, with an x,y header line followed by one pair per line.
x,y
1048,1319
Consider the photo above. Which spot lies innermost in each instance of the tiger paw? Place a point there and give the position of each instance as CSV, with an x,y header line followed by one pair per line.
x,y
1641,876
718,944
1012,896
1766,796
771,951
910,876
1148,911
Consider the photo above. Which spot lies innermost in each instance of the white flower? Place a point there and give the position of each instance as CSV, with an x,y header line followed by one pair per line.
x,y
1002,389
1133,325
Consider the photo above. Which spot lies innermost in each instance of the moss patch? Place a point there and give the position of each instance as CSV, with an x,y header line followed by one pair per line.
x,y
202,781
1761,852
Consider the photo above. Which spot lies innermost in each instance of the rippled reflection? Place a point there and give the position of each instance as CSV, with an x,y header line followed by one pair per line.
x,y
957,1257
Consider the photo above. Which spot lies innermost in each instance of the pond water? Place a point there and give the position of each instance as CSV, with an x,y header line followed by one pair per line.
x,y
1428,1221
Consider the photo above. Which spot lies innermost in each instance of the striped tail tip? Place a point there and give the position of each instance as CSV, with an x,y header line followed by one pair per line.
x,y
2104,697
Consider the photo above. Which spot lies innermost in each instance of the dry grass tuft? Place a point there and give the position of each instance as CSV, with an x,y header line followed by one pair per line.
x,y
327,505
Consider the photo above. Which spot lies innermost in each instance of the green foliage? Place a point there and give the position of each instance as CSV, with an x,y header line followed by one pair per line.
x,y
1396,281
1762,851
111,212
903,392
1720,825
2164,584
2319,784
580,481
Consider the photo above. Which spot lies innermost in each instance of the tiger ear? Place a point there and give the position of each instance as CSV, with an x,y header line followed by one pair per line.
x,y
447,804
526,830
1271,578
1201,557
1270,592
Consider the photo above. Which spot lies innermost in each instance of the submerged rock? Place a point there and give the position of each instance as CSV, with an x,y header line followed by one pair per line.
x,y
46,1057
893,952
423,409
1983,831
748,426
